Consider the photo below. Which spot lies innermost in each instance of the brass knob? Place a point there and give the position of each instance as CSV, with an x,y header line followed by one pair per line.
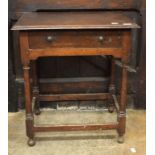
x,y
119,37
110,40
49,38
101,38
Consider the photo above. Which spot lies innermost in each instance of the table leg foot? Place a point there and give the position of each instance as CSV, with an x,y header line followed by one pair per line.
x,y
120,139
111,109
37,111
31,142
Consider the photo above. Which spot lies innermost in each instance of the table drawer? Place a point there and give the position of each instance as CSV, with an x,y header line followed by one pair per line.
x,y
75,38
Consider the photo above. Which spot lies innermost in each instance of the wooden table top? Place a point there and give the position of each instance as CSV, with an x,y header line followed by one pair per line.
x,y
74,20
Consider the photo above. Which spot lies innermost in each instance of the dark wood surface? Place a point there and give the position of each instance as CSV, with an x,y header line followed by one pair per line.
x,y
74,97
74,85
73,20
60,128
29,5
141,76
12,85
74,38
28,54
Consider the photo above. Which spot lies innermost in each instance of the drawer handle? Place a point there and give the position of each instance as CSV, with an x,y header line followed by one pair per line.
x,y
101,38
49,38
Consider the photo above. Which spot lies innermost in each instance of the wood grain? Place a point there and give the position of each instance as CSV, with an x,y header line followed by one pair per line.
x,y
29,5
74,97
75,38
76,128
73,20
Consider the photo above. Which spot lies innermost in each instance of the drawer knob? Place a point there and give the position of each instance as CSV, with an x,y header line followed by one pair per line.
x,y
101,38
49,38
110,40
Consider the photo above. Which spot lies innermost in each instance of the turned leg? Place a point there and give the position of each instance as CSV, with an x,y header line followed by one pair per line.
x,y
112,85
122,106
28,106
35,87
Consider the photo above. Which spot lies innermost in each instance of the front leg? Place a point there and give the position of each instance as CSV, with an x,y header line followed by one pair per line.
x,y
28,106
122,107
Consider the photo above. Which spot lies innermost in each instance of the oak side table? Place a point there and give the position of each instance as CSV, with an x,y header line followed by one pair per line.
x,y
87,33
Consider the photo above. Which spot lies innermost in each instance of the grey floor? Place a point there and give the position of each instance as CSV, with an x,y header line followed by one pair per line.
x,y
78,143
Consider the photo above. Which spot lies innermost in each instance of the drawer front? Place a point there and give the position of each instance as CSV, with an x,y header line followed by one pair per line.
x,y
77,39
